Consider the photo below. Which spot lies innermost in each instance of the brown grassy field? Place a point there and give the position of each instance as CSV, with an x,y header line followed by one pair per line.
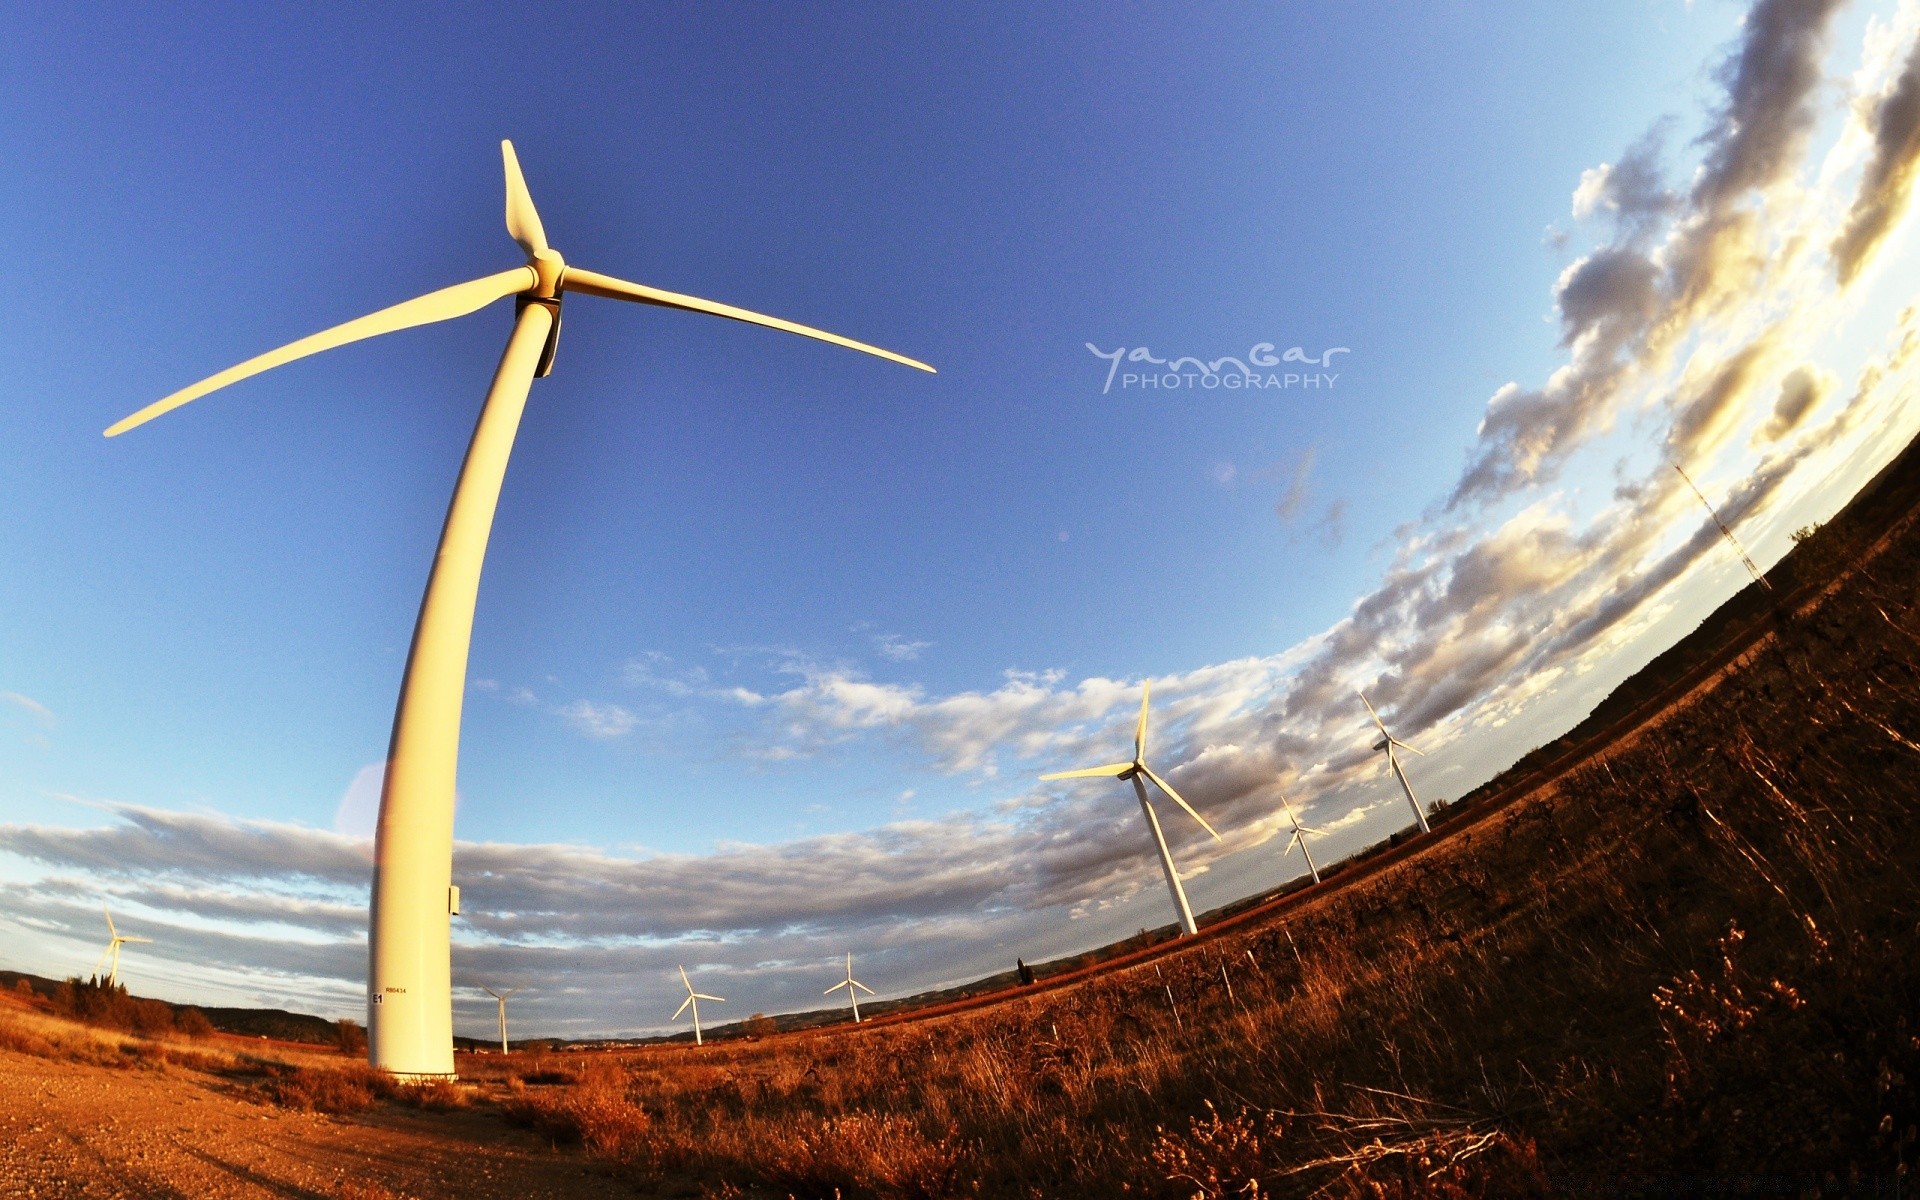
x,y
1686,966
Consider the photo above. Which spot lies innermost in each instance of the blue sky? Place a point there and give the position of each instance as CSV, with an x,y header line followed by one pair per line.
x,y
772,622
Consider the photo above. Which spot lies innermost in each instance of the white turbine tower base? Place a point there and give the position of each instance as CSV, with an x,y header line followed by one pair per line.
x,y
850,983
1391,744
693,1000
1132,771
409,984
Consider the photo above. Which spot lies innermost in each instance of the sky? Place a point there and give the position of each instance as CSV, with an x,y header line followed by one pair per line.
x,y
774,640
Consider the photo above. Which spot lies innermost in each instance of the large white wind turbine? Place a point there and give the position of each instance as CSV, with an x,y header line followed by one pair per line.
x,y
1133,771
502,998
112,952
1391,744
409,993
850,983
1299,839
693,999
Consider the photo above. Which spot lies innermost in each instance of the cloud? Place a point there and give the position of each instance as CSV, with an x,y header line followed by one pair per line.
x,y
1295,498
1671,265
895,648
1800,391
1886,183
41,714
605,722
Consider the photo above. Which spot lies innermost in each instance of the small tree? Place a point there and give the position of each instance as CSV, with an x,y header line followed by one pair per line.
x,y
351,1038
152,1018
193,1023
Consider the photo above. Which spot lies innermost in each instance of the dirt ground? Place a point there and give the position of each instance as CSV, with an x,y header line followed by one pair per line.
x,y
76,1130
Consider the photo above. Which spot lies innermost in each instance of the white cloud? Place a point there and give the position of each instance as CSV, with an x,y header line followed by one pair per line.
x,y
41,714
895,648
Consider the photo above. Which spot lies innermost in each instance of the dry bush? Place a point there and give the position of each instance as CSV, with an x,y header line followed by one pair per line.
x,y
594,1111
193,1023
878,1154
434,1095
326,1089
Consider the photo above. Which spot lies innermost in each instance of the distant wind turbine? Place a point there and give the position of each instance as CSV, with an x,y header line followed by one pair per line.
x,y
502,998
1132,771
1727,533
693,999
1299,839
112,952
851,983
1390,743
409,986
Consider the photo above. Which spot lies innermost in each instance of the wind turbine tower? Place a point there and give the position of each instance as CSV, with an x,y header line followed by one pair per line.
x,y
693,999
1391,745
1299,839
1132,772
502,998
112,952
1745,560
851,983
409,984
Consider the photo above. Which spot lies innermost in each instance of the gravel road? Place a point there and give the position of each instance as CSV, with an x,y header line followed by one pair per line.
x,y
72,1130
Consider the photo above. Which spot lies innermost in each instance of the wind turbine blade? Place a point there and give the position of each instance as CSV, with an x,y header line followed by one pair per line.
x,y
443,305
681,1009
523,222
1376,714
1396,741
111,931
135,939
102,960
685,980
1111,769
836,987
595,284
1178,799
704,996
1140,730
496,995
863,987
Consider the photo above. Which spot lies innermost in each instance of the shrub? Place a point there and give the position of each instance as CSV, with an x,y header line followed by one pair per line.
x,y
193,1023
328,1090
351,1038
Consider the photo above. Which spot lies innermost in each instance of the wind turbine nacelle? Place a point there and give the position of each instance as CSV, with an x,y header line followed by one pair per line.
x,y
1381,744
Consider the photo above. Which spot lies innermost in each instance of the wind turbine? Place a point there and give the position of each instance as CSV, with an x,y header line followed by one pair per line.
x,y
112,952
502,998
1299,839
1745,560
1133,771
409,988
1390,743
851,983
694,998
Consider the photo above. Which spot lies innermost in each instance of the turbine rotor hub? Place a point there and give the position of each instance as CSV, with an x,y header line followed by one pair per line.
x,y
550,269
